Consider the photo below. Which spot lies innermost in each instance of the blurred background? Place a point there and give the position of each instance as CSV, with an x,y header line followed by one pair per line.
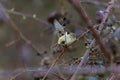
x,y
31,18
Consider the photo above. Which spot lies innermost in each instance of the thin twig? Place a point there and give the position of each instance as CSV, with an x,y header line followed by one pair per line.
x,y
21,35
80,9
65,70
112,77
19,72
53,63
115,76
97,3
85,70
11,42
62,53
28,16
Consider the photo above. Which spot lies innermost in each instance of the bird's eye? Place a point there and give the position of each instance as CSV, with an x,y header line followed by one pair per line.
x,y
86,44
64,24
109,25
63,42
62,34
64,18
68,32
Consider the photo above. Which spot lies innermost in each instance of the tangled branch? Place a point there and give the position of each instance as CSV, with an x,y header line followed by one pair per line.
x,y
95,33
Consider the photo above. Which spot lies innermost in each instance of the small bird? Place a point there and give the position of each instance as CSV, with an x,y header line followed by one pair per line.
x,y
64,38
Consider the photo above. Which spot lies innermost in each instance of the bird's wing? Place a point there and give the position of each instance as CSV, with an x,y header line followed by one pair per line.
x,y
58,27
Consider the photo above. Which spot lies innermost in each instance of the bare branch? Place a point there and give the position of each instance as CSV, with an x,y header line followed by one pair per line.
x,y
53,63
89,70
21,35
115,76
28,16
96,34
99,4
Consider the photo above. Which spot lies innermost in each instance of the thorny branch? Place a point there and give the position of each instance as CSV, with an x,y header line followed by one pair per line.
x,y
96,34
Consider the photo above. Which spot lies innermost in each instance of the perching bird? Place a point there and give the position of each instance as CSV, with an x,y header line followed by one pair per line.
x,y
64,38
